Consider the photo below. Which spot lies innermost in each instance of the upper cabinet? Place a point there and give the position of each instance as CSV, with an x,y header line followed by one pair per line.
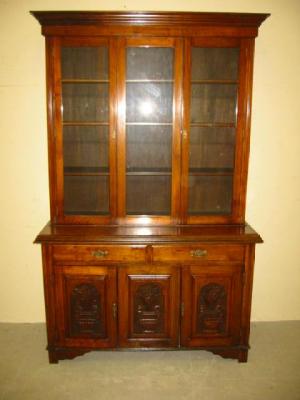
x,y
148,116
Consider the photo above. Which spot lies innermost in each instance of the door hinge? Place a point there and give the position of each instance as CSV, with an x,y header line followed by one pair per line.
x,y
182,309
244,278
114,310
52,280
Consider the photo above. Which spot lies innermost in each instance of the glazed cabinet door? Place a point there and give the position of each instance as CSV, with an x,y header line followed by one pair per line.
x,y
215,129
149,85
148,306
86,306
84,129
211,305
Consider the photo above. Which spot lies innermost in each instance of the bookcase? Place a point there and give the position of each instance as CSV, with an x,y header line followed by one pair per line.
x,y
148,139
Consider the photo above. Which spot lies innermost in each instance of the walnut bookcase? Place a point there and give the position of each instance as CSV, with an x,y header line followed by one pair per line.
x,y
148,138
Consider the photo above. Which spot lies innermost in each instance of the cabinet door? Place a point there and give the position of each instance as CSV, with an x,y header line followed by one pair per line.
x,y
84,85
148,306
217,73
148,132
211,305
86,306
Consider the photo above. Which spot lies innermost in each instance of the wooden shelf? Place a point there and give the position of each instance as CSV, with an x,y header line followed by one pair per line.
x,y
209,213
82,212
215,81
85,123
213,124
211,171
146,173
150,123
149,81
84,81
149,171
86,171
152,213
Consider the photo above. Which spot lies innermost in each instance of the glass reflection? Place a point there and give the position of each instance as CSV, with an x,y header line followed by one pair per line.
x,y
146,107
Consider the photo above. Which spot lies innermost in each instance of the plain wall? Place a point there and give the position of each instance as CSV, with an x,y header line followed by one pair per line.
x,y
273,186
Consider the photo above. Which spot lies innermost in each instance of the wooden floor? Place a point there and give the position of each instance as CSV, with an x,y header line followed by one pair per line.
x,y
272,372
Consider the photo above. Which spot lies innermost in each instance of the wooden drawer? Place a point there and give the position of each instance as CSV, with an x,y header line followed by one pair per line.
x,y
200,252
96,253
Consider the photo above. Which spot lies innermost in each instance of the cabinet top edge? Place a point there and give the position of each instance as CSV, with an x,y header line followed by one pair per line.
x,y
139,234
150,18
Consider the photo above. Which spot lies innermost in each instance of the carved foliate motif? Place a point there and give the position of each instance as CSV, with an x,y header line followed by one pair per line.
x,y
86,311
148,309
212,304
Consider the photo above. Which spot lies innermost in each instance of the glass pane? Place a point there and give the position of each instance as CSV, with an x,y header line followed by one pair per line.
x,y
149,148
210,195
84,63
150,195
212,148
85,120
149,63
85,147
85,102
215,63
214,87
86,195
213,103
149,102
149,127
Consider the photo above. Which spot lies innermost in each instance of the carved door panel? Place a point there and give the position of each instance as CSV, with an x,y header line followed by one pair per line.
x,y
86,306
211,305
148,306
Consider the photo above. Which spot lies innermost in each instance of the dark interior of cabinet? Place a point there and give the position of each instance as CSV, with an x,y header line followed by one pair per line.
x,y
85,102
90,63
149,129
86,195
148,194
149,126
213,114
85,147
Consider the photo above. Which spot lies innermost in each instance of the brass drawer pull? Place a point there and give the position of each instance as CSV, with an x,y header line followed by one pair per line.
x,y
198,253
100,253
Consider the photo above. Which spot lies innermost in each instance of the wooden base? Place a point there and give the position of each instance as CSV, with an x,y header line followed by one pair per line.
x,y
65,354
240,354
57,354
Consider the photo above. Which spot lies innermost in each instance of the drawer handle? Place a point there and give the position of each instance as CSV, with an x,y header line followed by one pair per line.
x,y
198,253
100,253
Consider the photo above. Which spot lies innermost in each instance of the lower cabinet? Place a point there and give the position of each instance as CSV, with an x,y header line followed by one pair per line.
x,y
98,304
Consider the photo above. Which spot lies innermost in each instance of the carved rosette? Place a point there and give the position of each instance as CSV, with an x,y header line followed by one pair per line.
x,y
212,304
85,311
148,309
